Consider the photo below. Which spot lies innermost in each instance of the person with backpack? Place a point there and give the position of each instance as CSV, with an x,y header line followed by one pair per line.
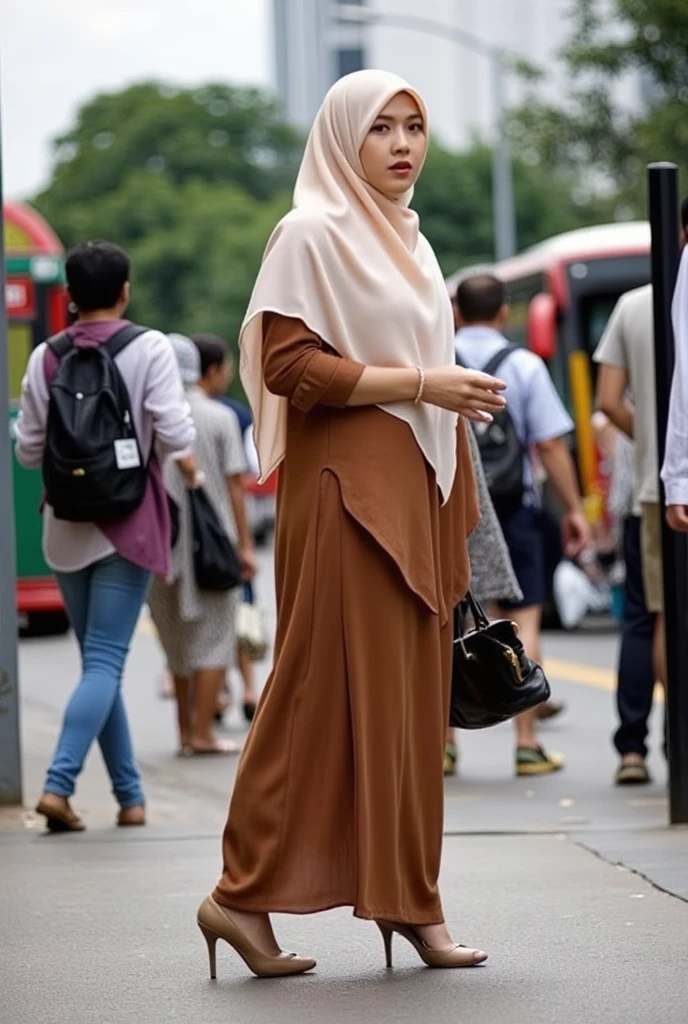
x,y
534,420
102,407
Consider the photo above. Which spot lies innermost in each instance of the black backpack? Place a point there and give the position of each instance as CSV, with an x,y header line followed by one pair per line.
x,y
93,469
501,451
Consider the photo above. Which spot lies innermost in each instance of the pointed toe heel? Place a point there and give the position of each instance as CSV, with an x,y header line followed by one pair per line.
x,y
215,924
454,956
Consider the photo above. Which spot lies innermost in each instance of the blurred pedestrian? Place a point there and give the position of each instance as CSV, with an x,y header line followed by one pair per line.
x,y
539,421
217,373
492,574
196,627
347,361
635,676
103,567
626,394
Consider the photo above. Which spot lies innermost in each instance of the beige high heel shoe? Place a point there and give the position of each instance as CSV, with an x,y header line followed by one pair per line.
x,y
455,956
215,925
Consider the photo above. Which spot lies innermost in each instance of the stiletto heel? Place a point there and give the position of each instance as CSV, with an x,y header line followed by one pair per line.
x,y
455,956
215,924
387,936
211,938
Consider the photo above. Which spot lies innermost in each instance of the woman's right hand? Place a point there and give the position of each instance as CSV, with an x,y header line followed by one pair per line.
x,y
471,393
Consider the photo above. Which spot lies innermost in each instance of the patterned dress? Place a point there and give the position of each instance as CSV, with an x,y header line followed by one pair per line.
x,y
196,628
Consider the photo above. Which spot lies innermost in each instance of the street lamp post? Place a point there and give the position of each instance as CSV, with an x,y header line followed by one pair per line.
x,y
504,212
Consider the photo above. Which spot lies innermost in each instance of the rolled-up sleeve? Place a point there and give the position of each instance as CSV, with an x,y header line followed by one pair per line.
x,y
299,366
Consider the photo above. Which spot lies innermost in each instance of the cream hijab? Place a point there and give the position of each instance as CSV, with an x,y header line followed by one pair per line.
x,y
351,263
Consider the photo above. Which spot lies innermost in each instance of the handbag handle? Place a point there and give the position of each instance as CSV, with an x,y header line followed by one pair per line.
x,y
472,605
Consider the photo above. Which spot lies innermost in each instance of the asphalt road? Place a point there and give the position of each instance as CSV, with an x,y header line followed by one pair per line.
x,y
565,880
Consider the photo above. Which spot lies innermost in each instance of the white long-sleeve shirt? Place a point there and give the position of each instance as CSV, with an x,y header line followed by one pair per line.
x,y
675,469
161,416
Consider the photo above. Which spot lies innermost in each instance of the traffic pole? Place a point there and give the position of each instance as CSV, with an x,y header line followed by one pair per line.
x,y
664,221
10,753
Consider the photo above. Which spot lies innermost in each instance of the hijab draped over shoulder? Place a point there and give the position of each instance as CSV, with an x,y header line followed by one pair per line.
x,y
352,264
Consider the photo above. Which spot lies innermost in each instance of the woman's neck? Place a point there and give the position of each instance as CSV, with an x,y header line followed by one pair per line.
x,y
94,315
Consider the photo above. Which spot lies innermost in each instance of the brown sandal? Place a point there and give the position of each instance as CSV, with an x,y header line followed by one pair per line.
x,y
131,817
59,818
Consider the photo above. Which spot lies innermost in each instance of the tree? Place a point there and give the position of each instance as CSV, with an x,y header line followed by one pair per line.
x,y
217,133
191,183
454,200
607,144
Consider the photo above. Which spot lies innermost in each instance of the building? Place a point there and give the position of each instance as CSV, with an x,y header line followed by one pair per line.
x,y
312,50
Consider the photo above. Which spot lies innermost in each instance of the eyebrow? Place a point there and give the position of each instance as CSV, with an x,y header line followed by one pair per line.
x,y
411,117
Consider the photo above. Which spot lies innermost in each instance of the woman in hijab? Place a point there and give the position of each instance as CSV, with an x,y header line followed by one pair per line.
x,y
347,358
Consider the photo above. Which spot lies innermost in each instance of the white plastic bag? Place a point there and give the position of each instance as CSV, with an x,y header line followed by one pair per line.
x,y
251,633
574,594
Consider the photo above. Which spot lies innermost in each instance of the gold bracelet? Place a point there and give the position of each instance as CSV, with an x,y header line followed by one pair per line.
x,y
421,385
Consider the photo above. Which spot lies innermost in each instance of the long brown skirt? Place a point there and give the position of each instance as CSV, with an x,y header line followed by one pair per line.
x,y
338,798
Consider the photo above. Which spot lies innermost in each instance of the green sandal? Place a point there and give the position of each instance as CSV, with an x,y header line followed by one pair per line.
x,y
537,761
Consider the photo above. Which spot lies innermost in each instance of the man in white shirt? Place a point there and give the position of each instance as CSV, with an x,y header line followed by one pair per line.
x,y
675,468
627,355
627,366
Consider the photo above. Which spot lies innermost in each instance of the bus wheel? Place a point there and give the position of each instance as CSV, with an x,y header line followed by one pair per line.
x,y
44,624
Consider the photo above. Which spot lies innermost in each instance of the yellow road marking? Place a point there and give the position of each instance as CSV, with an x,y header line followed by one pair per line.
x,y
587,675
577,672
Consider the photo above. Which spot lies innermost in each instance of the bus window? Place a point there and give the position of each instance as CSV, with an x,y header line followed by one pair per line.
x,y
594,313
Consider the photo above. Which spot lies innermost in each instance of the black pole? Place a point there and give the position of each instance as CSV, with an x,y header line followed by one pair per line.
x,y
664,221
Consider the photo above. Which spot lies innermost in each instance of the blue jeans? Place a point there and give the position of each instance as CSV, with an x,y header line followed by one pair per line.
x,y
104,601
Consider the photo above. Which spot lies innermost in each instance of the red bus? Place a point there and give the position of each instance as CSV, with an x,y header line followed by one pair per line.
x,y
36,308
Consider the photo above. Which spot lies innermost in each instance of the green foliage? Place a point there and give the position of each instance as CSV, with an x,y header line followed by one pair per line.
x,y
146,168
217,133
606,144
454,200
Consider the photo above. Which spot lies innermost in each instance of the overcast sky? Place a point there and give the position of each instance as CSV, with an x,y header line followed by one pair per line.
x,y
57,53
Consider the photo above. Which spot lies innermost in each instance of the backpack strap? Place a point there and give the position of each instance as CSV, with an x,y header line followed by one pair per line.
x,y
120,339
60,344
498,358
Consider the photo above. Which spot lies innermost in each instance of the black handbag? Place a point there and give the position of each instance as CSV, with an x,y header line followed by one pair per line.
x,y
174,511
216,565
493,679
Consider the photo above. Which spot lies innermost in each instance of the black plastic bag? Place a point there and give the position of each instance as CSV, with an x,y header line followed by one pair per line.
x,y
216,565
492,677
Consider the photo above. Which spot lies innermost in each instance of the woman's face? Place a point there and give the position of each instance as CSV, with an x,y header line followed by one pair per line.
x,y
393,150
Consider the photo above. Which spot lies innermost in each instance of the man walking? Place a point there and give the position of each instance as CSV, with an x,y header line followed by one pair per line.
x,y
627,368
540,423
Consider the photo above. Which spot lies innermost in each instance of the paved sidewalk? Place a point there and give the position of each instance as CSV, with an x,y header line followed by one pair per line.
x,y
100,928
578,890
